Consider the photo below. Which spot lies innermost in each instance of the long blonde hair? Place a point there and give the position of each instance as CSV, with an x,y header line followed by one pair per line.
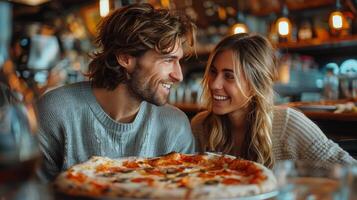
x,y
254,58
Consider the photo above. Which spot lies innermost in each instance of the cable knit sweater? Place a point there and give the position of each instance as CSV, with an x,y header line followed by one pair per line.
x,y
74,127
294,137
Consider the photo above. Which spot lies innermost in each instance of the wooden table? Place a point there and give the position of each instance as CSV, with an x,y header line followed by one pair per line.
x,y
324,115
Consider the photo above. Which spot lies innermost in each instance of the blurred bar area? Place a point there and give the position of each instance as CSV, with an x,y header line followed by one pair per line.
x,y
46,44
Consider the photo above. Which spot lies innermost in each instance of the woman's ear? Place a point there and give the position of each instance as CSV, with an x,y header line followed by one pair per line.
x,y
127,61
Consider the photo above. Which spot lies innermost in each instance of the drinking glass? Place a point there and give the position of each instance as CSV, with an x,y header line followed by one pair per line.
x,y
19,151
302,180
352,182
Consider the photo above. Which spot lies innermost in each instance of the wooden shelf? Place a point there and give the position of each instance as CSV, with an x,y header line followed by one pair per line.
x,y
330,46
315,44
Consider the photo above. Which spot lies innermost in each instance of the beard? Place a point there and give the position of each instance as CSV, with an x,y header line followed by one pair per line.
x,y
144,90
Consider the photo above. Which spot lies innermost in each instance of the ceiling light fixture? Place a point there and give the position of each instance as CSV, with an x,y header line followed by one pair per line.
x,y
104,8
283,23
240,26
337,19
31,2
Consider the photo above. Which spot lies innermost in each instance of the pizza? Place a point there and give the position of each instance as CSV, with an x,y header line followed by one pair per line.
x,y
171,176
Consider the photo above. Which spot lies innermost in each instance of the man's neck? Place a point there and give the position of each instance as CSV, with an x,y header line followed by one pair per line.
x,y
119,103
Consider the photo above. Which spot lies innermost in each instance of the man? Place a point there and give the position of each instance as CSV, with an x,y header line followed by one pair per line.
x,y
121,111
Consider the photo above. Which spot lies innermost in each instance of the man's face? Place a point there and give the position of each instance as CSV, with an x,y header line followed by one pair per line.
x,y
154,74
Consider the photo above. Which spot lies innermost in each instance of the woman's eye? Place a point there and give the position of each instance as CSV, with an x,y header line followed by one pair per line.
x,y
212,71
229,76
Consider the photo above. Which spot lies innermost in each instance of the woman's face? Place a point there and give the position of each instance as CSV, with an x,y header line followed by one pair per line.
x,y
226,95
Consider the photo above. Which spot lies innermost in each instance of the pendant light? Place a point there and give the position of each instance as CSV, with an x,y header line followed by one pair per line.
x,y
104,7
283,23
240,26
337,19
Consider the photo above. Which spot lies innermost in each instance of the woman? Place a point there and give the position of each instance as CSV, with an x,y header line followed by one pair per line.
x,y
241,118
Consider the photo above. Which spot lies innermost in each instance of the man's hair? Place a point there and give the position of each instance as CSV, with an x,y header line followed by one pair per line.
x,y
133,30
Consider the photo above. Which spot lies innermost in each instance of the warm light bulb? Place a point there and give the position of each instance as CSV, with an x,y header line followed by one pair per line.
x,y
165,3
240,28
284,26
104,8
336,20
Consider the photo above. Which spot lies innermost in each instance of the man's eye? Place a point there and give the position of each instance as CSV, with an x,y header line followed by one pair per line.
x,y
168,60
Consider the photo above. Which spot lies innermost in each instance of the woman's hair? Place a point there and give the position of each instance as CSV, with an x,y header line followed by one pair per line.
x,y
254,60
133,30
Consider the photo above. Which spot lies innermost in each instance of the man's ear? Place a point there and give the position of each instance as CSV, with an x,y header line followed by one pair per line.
x,y
127,61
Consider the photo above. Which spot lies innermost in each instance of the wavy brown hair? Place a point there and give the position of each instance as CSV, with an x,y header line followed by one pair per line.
x,y
254,58
133,30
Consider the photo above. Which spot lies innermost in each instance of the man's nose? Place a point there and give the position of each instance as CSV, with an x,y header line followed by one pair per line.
x,y
176,74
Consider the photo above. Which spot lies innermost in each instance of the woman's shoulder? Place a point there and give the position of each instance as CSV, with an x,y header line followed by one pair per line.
x,y
293,121
284,118
283,113
198,119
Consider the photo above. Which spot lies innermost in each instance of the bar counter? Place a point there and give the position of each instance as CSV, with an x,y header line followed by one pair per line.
x,y
313,114
336,126
326,115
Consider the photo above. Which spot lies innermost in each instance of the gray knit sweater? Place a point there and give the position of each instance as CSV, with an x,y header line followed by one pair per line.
x,y
294,137
74,127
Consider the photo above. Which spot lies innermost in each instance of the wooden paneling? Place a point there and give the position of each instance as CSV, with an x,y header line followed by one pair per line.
x,y
265,7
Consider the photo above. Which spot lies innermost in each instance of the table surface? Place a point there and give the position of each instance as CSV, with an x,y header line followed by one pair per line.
x,y
314,114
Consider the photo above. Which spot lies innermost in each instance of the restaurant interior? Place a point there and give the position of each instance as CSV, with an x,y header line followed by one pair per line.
x,y
45,44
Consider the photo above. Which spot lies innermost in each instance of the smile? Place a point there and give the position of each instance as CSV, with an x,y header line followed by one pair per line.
x,y
166,85
220,98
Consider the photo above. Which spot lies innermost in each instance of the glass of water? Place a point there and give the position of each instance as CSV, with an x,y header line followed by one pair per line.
x,y
302,180
19,151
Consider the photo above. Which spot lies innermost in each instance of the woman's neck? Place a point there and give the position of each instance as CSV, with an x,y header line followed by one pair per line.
x,y
238,119
238,126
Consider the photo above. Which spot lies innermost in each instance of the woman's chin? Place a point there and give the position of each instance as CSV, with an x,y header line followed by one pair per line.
x,y
218,111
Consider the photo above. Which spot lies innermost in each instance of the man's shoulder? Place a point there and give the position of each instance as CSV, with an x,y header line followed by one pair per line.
x,y
62,97
64,92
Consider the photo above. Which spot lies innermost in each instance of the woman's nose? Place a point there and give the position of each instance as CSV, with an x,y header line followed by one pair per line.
x,y
216,83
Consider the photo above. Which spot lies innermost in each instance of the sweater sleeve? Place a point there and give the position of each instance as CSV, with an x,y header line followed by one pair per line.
x,y
177,135
306,141
50,139
185,141
197,129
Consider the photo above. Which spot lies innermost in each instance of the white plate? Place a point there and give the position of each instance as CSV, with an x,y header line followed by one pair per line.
x,y
255,197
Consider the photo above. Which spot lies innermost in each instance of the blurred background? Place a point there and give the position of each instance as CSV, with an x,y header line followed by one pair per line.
x,y
46,43
49,40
